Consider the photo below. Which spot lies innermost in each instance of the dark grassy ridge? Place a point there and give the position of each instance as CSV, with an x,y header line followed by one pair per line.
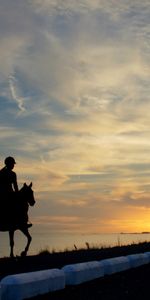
x,y
125,285
47,260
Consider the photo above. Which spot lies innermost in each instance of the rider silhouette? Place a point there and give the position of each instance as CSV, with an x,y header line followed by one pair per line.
x,y
8,191
8,178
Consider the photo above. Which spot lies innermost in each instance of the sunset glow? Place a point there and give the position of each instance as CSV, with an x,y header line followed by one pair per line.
x,y
75,110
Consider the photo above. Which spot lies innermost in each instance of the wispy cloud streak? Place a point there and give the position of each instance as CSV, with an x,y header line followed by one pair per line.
x,y
19,100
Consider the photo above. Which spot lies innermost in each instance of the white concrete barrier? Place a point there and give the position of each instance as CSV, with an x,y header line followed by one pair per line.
x,y
139,259
26,285
114,265
82,272
148,256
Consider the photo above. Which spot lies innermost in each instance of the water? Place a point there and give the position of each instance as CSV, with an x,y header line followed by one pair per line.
x,y
44,239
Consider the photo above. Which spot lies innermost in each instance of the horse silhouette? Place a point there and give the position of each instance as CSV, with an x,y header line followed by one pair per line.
x,y
16,216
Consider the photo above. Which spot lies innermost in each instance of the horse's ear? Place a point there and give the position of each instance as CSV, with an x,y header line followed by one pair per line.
x,y
24,184
30,185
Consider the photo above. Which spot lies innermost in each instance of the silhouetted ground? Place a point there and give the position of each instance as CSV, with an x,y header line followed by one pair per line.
x,y
131,284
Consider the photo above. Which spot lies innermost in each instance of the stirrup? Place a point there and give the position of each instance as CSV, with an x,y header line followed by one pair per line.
x,y
29,225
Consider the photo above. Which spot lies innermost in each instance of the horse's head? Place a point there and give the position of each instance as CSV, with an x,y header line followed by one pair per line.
x,y
28,193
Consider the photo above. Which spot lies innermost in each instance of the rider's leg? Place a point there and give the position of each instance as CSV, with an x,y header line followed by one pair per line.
x,y
11,239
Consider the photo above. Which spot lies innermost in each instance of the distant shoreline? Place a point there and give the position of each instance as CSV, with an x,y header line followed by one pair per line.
x,y
143,232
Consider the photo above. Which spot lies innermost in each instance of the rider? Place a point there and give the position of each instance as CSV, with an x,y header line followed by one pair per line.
x,y
8,188
8,178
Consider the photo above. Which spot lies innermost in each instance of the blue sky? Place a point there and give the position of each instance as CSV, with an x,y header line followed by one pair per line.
x,y
75,109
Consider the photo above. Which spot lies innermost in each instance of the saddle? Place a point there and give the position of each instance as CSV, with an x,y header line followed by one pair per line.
x,y
12,216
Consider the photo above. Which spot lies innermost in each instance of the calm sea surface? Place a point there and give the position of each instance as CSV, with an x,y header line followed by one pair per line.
x,y
43,239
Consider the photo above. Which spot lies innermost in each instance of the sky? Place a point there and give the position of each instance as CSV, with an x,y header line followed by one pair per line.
x,y
75,110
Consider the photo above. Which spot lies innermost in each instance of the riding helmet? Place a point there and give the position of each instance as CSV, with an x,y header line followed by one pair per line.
x,y
9,160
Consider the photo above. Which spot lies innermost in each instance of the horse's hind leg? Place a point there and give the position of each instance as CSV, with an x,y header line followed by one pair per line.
x,y
29,239
11,240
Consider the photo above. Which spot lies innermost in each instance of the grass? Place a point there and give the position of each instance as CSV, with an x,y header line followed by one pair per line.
x,y
98,248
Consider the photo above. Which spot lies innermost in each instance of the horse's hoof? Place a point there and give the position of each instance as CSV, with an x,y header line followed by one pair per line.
x,y
23,253
11,255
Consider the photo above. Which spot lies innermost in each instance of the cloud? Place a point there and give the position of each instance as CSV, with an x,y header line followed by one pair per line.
x,y
91,64
19,100
75,105
16,26
86,5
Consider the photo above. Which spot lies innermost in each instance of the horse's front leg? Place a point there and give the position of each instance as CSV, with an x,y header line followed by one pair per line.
x,y
29,239
11,240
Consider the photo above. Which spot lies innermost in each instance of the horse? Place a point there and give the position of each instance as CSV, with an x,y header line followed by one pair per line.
x,y
17,217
